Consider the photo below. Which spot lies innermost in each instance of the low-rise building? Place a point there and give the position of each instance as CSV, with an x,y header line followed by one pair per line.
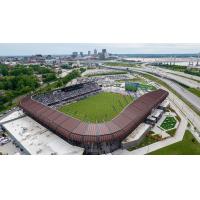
x,y
136,136
150,120
35,139
157,114
164,105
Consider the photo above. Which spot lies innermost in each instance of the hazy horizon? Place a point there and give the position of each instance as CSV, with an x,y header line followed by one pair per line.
x,y
23,49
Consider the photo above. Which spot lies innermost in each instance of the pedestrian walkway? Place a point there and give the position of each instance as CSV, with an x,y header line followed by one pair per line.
x,y
158,145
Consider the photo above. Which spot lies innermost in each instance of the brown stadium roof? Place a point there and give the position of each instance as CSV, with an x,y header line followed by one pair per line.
x,y
76,130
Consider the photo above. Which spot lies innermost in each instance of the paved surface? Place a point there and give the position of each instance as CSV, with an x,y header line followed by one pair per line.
x,y
186,81
197,78
9,149
193,99
158,145
195,133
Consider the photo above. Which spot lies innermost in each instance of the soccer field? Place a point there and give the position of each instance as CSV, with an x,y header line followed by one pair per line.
x,y
98,108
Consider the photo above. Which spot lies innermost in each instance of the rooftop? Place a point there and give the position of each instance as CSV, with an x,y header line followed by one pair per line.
x,y
157,113
38,140
11,116
165,103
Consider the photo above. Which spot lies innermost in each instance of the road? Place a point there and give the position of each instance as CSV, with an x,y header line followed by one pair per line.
x,y
188,76
175,77
193,99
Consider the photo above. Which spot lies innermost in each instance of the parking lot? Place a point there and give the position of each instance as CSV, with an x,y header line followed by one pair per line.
x,y
7,147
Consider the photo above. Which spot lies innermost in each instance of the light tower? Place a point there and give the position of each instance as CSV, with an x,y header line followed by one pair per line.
x,y
198,59
190,62
171,60
174,60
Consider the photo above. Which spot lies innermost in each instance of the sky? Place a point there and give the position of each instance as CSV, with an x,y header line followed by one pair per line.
x,y
15,49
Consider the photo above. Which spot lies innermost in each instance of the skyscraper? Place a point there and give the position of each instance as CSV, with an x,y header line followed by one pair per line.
x,y
74,54
104,54
95,52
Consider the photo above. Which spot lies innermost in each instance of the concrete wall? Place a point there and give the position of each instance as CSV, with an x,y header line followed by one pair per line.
x,y
135,142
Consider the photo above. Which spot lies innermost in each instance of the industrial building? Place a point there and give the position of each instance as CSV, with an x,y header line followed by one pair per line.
x,y
32,138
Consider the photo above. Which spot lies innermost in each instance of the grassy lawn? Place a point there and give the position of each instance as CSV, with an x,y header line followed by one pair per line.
x,y
168,123
121,64
147,87
195,91
149,139
98,108
172,132
138,80
188,146
107,73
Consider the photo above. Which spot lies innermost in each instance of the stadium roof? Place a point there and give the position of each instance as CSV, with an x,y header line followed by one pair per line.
x,y
76,130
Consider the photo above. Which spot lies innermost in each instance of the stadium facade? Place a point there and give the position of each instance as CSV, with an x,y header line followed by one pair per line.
x,y
96,138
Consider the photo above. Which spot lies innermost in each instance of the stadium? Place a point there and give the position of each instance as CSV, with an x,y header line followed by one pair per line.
x,y
95,138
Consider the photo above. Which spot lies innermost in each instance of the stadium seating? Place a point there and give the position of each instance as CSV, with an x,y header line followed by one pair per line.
x,y
68,94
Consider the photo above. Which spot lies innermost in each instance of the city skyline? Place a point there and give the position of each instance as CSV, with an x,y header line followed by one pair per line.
x,y
23,49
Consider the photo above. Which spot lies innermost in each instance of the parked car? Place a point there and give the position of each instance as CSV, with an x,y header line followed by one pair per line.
x,y
2,138
5,141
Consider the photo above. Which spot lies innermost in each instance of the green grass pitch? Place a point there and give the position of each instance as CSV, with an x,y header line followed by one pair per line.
x,y
98,108
168,123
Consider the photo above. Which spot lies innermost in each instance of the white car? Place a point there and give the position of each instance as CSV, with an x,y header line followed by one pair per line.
x,y
2,138
5,141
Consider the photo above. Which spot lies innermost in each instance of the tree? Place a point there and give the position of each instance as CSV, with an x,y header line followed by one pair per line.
x,y
71,76
82,70
4,70
59,83
49,77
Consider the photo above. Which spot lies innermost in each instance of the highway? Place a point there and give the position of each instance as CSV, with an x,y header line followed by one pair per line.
x,y
182,74
165,74
193,99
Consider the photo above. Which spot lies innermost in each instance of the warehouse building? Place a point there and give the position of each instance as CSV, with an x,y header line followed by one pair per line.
x,y
34,139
